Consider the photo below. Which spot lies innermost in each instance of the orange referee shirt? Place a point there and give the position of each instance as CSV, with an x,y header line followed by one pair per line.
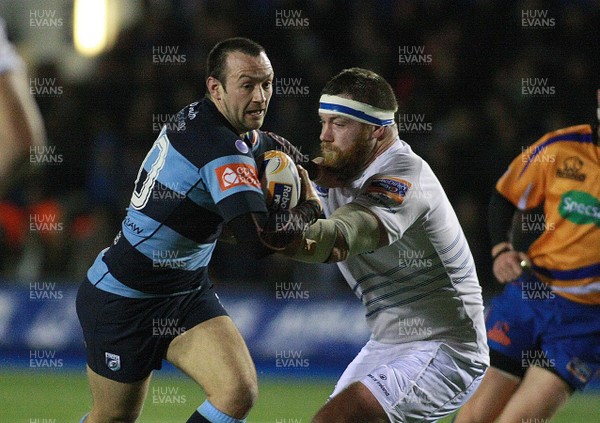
x,y
562,171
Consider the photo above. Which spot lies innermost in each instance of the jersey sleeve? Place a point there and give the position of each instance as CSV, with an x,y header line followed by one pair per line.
x,y
389,198
233,184
523,183
262,141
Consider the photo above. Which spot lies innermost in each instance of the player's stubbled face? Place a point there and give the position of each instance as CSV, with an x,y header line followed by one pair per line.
x,y
248,90
346,144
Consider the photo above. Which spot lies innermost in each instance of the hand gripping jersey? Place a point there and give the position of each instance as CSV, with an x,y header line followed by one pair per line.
x,y
196,176
562,171
423,285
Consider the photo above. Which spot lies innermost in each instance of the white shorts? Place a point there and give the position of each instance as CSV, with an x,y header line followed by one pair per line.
x,y
421,381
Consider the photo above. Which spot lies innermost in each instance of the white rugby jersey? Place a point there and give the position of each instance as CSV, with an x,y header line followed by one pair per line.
x,y
423,285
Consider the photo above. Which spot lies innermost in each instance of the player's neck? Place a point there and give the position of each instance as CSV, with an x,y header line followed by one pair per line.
x,y
383,144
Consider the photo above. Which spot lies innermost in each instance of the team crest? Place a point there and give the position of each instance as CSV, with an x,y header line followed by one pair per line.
x,y
571,169
321,192
113,361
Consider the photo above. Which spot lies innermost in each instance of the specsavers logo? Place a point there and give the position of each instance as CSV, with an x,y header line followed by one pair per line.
x,y
580,208
236,174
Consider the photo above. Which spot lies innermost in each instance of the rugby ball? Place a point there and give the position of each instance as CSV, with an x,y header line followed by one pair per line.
x,y
279,180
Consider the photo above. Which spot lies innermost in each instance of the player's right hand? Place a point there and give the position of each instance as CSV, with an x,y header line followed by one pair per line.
x,y
507,266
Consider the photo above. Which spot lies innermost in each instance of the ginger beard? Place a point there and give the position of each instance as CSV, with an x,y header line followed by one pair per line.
x,y
345,164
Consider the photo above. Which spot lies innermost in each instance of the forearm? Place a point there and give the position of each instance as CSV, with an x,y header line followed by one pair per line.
x,y
351,230
262,234
507,263
500,216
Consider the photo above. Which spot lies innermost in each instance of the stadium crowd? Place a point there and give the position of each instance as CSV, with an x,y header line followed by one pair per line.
x,y
475,82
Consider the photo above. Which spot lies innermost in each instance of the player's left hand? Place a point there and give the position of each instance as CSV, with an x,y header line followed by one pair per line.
x,y
307,191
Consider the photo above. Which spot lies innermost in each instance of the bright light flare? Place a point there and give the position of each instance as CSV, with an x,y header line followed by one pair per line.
x,y
91,32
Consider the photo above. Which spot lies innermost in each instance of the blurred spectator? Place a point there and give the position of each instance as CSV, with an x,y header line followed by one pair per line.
x,y
21,126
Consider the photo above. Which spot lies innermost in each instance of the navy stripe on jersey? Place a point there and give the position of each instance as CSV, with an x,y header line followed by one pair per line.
x,y
104,280
155,276
194,178
404,278
412,299
451,265
591,271
452,244
404,289
399,267
182,253
390,271
570,137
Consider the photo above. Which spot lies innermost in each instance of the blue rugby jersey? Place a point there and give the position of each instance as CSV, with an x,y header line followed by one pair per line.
x,y
198,175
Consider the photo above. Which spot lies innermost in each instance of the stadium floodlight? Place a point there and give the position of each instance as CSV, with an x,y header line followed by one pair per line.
x,y
93,26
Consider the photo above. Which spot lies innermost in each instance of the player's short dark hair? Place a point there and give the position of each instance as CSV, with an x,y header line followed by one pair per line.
x,y
363,85
217,58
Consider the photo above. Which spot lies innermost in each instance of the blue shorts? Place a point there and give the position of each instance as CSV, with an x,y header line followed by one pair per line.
x,y
530,325
127,338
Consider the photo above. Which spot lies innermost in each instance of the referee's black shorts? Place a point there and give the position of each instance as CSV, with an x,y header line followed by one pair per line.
x,y
126,338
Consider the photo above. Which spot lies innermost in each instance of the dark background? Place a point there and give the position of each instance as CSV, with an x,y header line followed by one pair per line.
x,y
468,91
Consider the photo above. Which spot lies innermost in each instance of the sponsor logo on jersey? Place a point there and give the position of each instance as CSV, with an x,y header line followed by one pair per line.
x,y
113,361
579,369
377,381
571,169
241,146
499,334
237,174
580,208
393,188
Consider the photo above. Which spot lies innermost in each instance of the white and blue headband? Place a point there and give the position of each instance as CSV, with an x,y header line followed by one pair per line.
x,y
355,110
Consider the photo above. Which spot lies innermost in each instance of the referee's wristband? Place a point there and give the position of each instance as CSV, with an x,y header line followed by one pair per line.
x,y
502,251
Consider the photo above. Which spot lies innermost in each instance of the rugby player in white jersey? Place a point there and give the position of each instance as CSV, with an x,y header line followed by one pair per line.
x,y
400,246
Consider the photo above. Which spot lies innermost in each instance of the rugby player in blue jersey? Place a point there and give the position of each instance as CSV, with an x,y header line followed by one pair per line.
x,y
148,297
